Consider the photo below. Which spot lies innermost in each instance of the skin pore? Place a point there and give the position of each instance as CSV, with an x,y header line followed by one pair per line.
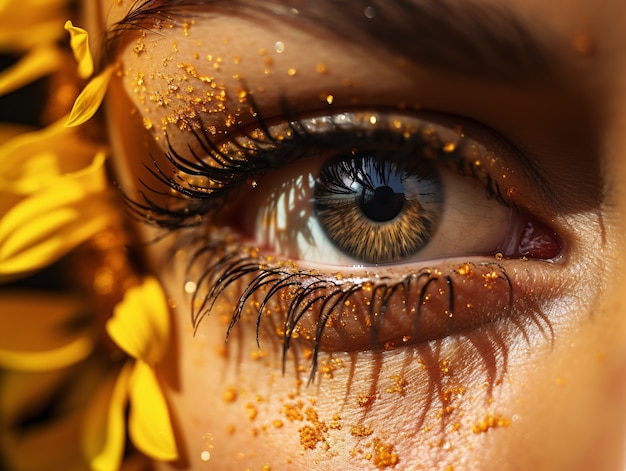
x,y
539,385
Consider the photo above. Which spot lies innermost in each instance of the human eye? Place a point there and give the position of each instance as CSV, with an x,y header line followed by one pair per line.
x,y
359,230
321,220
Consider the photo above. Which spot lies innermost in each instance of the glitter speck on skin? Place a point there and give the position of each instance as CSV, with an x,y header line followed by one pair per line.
x,y
291,72
329,99
279,47
370,12
205,456
190,287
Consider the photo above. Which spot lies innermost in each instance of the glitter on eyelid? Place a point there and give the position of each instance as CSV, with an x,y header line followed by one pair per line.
x,y
291,72
205,456
449,147
279,47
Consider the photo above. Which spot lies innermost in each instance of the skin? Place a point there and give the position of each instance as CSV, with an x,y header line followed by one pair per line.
x,y
525,399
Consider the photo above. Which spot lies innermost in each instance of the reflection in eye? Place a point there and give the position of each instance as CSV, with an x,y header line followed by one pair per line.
x,y
378,211
380,191
392,173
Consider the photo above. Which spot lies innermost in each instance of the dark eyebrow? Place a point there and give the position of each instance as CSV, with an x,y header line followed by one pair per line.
x,y
459,36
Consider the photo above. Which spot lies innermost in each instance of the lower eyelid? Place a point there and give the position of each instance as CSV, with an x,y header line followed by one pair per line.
x,y
364,311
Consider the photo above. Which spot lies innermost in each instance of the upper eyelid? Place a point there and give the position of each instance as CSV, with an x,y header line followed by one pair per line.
x,y
467,39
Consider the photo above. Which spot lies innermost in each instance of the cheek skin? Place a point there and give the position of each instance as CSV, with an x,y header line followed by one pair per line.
x,y
409,406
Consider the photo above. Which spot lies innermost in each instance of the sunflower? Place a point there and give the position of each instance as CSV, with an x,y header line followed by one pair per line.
x,y
78,364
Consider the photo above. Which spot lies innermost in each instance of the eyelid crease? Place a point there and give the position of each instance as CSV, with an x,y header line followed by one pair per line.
x,y
467,38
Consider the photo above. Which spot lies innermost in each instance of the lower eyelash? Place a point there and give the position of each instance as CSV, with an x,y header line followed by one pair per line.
x,y
222,267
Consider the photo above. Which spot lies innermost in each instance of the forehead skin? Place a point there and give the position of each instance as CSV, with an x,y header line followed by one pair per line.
x,y
570,398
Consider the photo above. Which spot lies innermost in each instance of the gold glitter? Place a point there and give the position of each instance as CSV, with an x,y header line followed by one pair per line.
x,y
330,99
266,467
252,410
491,421
449,147
140,47
236,60
464,269
365,400
399,383
147,123
373,120
293,412
278,423
321,69
186,26
292,72
361,431
231,394
262,52
310,436
499,256
384,455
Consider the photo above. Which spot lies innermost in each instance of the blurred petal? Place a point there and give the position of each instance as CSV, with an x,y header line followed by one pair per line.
x,y
141,322
33,160
47,225
104,433
36,64
38,321
149,423
62,357
79,41
90,99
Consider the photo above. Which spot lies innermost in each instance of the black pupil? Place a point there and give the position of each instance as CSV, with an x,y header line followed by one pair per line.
x,y
381,205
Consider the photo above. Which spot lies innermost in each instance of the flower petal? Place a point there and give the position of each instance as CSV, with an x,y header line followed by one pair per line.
x,y
38,63
56,359
90,99
141,322
149,424
79,41
47,225
105,428
34,160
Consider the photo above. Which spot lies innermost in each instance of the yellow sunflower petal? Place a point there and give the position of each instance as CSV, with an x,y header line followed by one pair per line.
x,y
38,63
90,99
79,41
48,224
105,428
33,160
49,360
149,424
141,322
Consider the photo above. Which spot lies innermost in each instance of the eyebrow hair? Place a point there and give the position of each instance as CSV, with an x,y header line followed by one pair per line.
x,y
468,38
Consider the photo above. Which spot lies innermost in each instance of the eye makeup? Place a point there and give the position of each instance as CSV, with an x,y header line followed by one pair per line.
x,y
345,306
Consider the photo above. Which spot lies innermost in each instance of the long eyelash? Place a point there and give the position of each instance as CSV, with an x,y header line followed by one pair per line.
x,y
306,291
225,172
